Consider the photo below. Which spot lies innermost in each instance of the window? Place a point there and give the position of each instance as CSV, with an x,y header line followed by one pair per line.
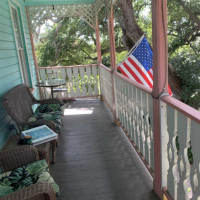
x,y
20,45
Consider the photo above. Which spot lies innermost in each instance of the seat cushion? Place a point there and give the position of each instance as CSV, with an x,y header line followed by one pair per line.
x,y
24,176
55,117
49,108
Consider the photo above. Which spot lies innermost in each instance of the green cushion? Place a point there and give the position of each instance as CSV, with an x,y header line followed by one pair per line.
x,y
49,108
24,176
54,117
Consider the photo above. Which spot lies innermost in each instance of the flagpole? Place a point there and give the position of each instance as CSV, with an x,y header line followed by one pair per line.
x,y
134,47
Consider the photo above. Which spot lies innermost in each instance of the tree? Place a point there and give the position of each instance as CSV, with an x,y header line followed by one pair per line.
x,y
183,32
72,41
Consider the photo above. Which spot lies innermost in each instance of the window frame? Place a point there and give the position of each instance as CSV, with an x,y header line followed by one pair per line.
x,y
17,6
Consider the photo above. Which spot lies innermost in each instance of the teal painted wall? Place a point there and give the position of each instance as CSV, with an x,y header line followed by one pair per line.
x,y
10,75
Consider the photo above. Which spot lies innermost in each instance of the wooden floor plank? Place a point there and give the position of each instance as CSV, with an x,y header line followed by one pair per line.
x,y
94,159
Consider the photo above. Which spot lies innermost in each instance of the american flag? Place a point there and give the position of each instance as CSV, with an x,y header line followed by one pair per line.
x,y
138,66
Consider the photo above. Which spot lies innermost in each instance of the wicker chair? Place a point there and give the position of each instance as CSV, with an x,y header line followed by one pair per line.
x,y
43,149
16,157
18,103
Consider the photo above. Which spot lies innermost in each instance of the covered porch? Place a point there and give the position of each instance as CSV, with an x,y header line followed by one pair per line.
x,y
120,139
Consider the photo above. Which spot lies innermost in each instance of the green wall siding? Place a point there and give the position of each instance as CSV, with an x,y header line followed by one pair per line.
x,y
10,75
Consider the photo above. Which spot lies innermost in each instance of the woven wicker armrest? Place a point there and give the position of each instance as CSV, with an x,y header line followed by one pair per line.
x,y
38,191
15,157
36,123
50,101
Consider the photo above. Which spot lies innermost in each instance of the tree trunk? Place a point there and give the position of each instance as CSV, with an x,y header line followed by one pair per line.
x,y
129,25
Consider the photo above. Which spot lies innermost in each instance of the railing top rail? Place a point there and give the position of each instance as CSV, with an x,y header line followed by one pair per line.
x,y
70,66
148,90
106,68
183,108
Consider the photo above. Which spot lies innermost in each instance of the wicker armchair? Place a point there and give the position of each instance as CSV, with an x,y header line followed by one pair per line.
x,y
18,103
20,156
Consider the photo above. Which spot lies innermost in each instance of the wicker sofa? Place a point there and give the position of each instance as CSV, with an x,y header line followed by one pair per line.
x,y
25,176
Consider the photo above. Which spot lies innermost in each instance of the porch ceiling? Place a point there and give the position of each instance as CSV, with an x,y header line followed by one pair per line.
x,y
56,2
40,11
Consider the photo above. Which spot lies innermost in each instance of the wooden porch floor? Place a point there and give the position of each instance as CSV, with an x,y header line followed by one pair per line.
x,y
94,159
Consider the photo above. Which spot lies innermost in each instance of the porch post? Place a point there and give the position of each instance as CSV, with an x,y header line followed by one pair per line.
x,y
112,58
32,45
112,39
33,51
160,81
98,43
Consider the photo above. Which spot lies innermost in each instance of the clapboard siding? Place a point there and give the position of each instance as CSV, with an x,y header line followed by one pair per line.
x,y
5,14
5,29
5,20
7,53
9,80
7,37
10,75
7,45
4,5
6,71
8,61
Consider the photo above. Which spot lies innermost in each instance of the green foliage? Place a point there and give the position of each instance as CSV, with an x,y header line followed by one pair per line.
x,y
183,29
71,45
184,43
186,66
75,42
143,15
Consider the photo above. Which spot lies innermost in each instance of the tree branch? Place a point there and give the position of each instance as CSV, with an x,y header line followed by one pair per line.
x,y
118,49
59,26
189,12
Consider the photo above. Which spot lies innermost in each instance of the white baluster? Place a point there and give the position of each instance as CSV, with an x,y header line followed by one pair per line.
x,y
43,75
187,182
148,130
142,134
82,82
89,82
95,80
175,164
76,81
165,141
70,82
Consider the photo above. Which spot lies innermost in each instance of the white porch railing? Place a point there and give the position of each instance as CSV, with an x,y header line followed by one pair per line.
x,y
135,112
180,127
81,80
106,84
133,109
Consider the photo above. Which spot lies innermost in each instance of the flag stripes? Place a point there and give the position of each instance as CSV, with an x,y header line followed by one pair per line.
x,y
138,65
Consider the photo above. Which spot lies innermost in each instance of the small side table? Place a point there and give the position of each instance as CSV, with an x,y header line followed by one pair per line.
x,y
43,134
54,83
